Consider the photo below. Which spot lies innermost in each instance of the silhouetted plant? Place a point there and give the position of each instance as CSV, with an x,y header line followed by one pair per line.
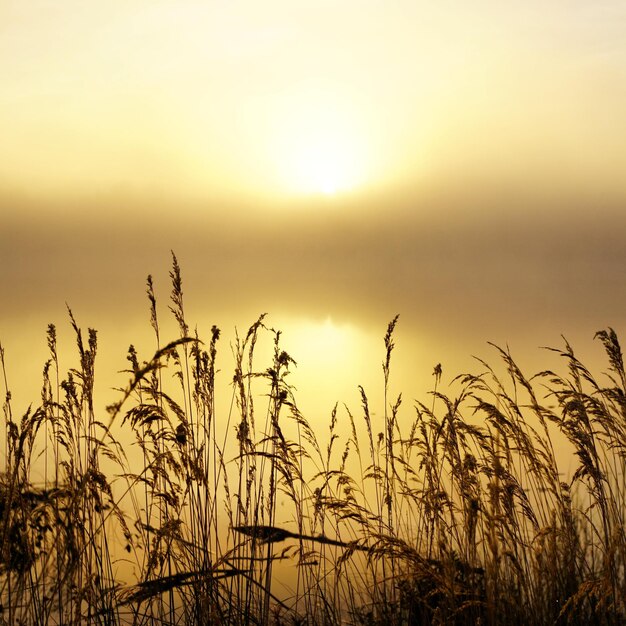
x,y
453,512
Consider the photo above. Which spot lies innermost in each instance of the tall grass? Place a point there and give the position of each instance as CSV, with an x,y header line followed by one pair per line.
x,y
180,504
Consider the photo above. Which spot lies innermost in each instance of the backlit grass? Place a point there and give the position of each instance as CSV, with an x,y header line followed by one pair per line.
x,y
189,502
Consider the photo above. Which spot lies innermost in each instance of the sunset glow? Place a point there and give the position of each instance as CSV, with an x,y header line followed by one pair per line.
x,y
239,101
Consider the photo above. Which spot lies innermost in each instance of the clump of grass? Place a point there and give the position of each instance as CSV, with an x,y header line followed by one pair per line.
x,y
452,511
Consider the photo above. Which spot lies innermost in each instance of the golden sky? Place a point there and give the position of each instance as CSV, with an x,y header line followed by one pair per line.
x,y
332,163
255,99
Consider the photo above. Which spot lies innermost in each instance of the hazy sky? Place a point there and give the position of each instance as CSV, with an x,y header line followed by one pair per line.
x,y
331,163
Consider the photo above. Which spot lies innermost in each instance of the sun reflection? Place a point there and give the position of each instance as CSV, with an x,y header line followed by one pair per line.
x,y
329,358
315,344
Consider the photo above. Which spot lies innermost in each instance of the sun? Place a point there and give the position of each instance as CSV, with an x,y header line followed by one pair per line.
x,y
319,149
321,163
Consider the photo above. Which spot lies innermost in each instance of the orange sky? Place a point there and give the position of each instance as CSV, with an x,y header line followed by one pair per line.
x,y
331,163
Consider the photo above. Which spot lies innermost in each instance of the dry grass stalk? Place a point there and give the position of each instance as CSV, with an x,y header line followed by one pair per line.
x,y
455,513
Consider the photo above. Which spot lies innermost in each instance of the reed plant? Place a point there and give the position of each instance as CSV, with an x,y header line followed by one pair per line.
x,y
182,503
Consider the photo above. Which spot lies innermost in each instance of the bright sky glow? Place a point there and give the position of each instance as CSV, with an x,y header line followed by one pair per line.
x,y
263,100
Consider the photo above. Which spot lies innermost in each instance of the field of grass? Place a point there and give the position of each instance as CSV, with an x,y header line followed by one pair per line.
x,y
170,507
